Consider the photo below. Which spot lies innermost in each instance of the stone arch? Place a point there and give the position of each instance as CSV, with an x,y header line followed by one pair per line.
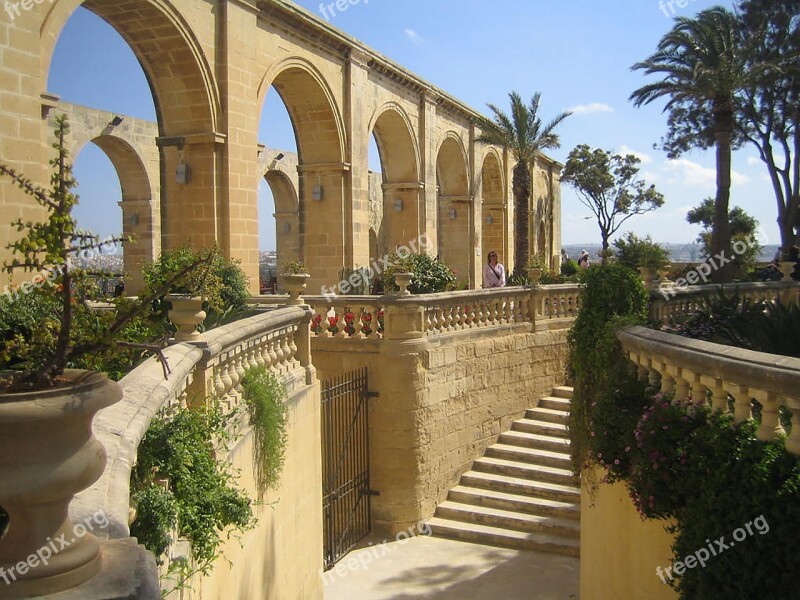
x,y
321,143
400,172
316,118
493,208
287,215
173,62
454,212
140,210
187,103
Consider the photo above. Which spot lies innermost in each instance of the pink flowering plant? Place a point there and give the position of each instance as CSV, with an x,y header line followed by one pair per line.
x,y
659,459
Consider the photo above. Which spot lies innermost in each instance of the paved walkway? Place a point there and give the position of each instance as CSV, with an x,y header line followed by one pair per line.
x,y
428,568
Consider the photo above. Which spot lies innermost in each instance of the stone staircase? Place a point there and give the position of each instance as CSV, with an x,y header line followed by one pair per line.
x,y
521,493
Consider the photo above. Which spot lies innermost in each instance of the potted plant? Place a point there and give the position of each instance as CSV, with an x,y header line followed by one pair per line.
x,y
192,296
294,278
47,450
535,269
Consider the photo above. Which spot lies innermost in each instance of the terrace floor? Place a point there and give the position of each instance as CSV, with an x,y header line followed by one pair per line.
x,y
429,568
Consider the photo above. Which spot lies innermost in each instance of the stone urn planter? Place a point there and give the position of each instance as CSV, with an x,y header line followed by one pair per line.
x,y
535,275
186,314
295,284
787,268
649,276
403,280
47,454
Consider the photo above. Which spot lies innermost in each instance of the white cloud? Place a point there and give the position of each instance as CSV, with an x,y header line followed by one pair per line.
x,y
413,36
692,174
588,109
645,158
754,161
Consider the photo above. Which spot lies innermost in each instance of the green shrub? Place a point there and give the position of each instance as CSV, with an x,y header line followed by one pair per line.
x,y
569,268
635,252
613,297
735,320
183,449
156,517
222,284
430,274
265,397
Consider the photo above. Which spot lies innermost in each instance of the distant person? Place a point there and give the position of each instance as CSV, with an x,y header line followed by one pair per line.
x,y
583,260
564,257
494,274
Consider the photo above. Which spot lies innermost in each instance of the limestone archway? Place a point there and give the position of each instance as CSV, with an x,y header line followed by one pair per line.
x,y
454,212
186,100
493,209
323,225
287,215
401,186
541,244
130,145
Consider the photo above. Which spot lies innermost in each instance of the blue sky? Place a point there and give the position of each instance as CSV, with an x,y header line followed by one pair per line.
x,y
577,53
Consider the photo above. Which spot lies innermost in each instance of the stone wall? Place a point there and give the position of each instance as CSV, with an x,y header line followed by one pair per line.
x,y
619,551
441,402
282,556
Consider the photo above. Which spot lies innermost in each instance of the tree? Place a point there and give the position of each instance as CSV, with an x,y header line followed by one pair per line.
x,y
525,135
769,107
703,68
609,185
743,232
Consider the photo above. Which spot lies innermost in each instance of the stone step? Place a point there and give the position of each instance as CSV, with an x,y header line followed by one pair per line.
x,y
515,502
524,470
524,487
507,538
505,519
555,403
559,460
540,427
533,440
550,415
563,391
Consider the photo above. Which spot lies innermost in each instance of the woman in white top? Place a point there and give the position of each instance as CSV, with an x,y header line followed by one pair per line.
x,y
494,274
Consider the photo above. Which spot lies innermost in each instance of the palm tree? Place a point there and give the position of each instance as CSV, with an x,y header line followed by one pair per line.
x,y
524,135
702,69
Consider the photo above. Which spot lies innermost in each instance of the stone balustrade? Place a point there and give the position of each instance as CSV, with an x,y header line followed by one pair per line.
x,y
425,315
558,301
669,302
211,366
347,317
699,372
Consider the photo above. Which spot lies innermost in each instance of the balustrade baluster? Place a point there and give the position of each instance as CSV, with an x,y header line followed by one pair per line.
x,y
742,407
770,427
793,441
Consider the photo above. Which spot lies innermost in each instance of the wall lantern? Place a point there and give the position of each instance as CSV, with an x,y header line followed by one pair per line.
x,y
135,219
183,174
398,204
489,220
452,213
317,193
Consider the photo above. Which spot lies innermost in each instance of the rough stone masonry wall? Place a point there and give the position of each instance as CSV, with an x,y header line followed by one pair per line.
x,y
440,405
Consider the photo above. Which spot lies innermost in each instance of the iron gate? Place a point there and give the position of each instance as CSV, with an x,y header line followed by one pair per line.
x,y
345,463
